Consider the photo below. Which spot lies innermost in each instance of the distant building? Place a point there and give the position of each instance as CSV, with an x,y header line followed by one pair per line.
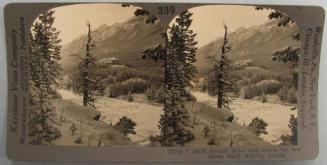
x,y
107,62
243,63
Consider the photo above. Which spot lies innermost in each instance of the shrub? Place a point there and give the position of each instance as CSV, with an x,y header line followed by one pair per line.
x,y
245,81
73,128
128,86
258,126
282,93
253,75
212,142
78,140
267,75
119,80
260,77
237,89
150,93
206,130
112,92
124,73
130,97
155,141
291,95
288,95
107,81
251,91
269,86
264,98
126,126
261,88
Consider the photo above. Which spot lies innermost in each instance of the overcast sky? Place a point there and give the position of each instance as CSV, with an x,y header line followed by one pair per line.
x,y
71,20
207,20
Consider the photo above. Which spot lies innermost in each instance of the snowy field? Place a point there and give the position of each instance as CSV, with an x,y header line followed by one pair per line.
x,y
277,116
146,116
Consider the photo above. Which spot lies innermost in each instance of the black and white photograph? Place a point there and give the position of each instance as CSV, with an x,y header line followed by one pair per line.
x,y
113,75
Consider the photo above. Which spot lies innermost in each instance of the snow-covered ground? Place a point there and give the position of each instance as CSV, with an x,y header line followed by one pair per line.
x,y
146,116
276,115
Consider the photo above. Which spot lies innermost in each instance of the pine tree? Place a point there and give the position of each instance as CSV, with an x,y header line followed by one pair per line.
x,y
221,70
180,71
44,74
85,65
126,126
179,56
292,138
184,47
293,126
175,122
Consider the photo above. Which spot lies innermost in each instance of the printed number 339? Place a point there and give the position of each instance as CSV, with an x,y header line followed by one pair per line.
x,y
166,10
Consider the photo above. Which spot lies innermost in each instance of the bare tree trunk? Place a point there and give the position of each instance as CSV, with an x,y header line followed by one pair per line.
x,y
164,131
86,69
220,84
220,72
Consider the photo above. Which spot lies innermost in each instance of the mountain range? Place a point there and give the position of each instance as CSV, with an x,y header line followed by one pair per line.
x,y
256,44
125,40
128,39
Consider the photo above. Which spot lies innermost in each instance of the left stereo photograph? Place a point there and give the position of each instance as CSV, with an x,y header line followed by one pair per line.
x,y
89,84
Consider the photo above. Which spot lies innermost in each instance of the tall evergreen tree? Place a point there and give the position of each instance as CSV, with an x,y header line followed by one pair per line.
x,y
85,65
46,50
184,47
179,55
44,74
221,70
